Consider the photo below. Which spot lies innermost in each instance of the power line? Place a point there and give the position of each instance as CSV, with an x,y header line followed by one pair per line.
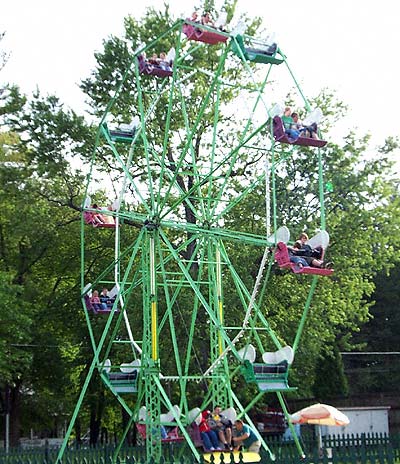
x,y
384,353
27,345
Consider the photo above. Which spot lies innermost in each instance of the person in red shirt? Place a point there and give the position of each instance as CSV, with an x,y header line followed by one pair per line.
x,y
208,436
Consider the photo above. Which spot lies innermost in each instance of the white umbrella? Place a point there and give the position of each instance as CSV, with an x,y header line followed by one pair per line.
x,y
320,414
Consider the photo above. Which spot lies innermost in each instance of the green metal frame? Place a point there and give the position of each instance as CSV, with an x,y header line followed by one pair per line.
x,y
180,290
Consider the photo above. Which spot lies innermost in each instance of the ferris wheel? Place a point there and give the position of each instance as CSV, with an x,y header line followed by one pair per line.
x,y
181,317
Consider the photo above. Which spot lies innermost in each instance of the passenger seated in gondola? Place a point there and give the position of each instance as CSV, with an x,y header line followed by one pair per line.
x,y
154,59
96,303
164,432
102,218
305,131
108,218
222,425
195,17
206,19
106,299
303,255
261,48
147,64
163,62
208,436
97,218
288,124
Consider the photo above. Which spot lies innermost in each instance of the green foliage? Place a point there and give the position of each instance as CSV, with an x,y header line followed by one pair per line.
x,y
11,100
38,256
330,379
15,331
378,371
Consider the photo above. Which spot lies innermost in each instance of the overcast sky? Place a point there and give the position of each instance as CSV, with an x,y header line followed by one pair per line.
x,y
351,46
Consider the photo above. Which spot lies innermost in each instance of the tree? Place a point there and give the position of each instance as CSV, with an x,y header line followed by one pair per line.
x,y
330,378
378,372
40,197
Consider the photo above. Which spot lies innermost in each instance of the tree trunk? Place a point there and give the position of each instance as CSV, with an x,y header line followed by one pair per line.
x,y
131,435
94,425
78,431
15,414
96,415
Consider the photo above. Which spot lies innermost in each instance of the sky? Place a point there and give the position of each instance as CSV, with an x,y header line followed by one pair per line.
x,y
349,46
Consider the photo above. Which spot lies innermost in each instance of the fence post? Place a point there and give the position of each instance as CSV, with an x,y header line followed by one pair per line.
x,y
363,450
390,455
46,451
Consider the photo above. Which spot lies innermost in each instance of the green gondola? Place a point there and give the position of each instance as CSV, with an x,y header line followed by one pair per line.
x,y
256,55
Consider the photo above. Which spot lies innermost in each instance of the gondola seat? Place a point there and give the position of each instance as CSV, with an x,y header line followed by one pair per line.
x,y
151,69
203,35
283,259
281,136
